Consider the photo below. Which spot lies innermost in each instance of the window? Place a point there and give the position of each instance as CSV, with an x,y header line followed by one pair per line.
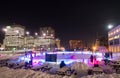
x,y
111,42
116,41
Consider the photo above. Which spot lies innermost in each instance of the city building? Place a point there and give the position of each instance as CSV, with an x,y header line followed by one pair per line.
x,y
114,39
16,38
29,42
47,32
45,43
75,44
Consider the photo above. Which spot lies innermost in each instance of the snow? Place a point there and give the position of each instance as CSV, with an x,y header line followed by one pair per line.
x,y
22,73
103,76
79,66
7,56
81,69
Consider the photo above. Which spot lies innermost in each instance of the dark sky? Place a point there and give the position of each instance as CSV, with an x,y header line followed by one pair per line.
x,y
76,19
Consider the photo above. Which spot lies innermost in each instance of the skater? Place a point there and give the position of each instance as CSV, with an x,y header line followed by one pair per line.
x,y
91,58
111,54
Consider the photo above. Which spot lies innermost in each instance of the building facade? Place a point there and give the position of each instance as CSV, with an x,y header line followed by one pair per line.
x,y
15,37
47,32
75,44
114,39
44,43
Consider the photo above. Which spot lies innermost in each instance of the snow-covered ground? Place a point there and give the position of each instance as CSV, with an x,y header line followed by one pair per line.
x,y
8,56
6,72
81,68
22,73
114,75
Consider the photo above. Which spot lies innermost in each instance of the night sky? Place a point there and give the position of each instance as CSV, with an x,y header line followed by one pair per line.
x,y
80,19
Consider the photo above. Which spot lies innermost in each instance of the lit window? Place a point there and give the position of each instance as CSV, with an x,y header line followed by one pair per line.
x,y
111,33
114,32
117,30
115,37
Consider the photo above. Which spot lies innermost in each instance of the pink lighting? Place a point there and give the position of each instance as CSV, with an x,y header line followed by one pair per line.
x,y
95,62
72,57
35,62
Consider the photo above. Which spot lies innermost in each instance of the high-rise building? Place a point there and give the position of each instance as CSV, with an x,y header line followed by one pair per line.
x,y
14,36
75,44
47,32
114,39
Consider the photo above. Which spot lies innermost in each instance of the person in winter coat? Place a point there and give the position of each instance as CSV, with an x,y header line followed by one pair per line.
x,y
62,64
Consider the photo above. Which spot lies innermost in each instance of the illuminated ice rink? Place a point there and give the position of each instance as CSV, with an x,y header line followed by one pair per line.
x,y
69,57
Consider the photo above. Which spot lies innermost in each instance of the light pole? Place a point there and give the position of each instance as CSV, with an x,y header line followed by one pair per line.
x,y
110,26
36,37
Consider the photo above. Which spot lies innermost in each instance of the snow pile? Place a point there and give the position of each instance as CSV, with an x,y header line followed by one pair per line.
x,y
79,66
22,73
107,69
103,76
9,56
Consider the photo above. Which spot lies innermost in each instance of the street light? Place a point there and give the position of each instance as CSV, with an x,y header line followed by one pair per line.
x,y
44,34
4,29
110,26
36,36
27,32
94,48
8,27
36,33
